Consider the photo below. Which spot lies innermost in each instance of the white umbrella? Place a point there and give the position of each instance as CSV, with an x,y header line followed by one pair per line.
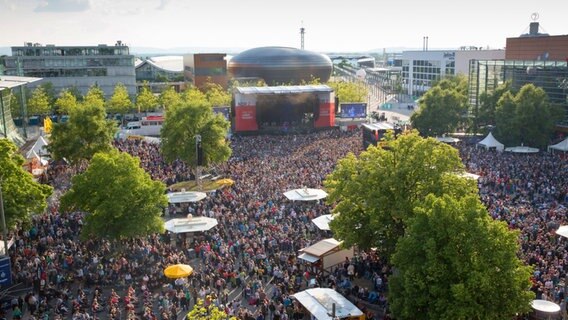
x,y
448,139
562,231
305,194
322,222
521,149
186,196
190,224
545,306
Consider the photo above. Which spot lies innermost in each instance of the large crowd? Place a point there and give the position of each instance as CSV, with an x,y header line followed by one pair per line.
x,y
248,265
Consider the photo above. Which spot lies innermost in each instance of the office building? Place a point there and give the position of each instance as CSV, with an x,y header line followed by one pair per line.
x,y
421,68
75,66
203,67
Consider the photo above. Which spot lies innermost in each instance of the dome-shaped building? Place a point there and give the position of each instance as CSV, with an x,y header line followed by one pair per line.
x,y
281,65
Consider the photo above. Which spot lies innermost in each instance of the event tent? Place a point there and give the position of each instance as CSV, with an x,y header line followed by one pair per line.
x,y
305,194
190,224
522,149
490,142
560,146
319,302
328,251
39,148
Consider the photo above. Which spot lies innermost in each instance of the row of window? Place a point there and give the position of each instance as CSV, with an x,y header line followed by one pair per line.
x,y
210,71
58,52
52,73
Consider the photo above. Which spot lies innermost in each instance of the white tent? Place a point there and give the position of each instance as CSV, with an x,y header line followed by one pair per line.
x,y
322,222
39,148
305,194
560,146
449,140
491,142
190,224
319,302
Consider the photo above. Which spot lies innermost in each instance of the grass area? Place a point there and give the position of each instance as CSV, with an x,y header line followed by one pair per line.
x,y
192,186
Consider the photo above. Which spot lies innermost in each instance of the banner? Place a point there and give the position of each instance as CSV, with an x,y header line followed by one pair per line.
x,y
5,272
245,118
326,110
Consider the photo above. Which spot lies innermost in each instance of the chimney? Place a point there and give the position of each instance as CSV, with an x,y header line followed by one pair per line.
x,y
533,29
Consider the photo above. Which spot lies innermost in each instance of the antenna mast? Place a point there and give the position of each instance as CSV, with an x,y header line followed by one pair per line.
x,y
302,32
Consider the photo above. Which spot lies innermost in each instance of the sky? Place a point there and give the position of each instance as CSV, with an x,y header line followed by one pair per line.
x,y
331,25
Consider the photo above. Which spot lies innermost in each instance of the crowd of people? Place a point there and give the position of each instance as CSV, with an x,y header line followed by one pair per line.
x,y
247,265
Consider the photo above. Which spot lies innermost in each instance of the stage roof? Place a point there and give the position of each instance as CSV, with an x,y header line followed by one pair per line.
x,y
284,89
7,82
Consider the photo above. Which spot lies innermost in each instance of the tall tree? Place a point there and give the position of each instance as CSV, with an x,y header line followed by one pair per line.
x,y
505,120
65,103
95,96
169,98
216,95
121,199
15,102
486,114
442,108
534,116
50,92
120,101
457,263
21,194
86,133
145,100
181,125
38,104
376,193
349,91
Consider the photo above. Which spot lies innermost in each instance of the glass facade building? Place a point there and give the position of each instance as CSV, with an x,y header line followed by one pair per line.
x,y
73,66
551,76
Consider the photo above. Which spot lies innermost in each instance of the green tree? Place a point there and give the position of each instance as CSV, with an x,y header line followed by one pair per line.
x,y
457,263
121,199
120,101
65,103
194,95
95,96
50,92
216,95
76,93
86,133
15,102
534,116
200,312
376,193
21,194
349,91
442,108
38,104
183,122
486,113
169,98
505,120
146,100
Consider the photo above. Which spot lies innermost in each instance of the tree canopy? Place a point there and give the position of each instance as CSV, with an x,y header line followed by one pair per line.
x,y
188,119
456,262
349,91
65,103
119,102
211,312
442,108
526,117
376,193
121,199
95,96
86,133
486,113
169,98
145,100
21,194
38,103
216,95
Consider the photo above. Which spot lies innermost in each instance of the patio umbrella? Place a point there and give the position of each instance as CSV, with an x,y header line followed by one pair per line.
x,y
186,196
226,182
562,231
178,271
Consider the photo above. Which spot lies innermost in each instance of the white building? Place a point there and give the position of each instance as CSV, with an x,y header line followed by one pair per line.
x,y
75,66
421,68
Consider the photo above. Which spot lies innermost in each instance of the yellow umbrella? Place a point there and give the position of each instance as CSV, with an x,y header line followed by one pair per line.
x,y
226,181
178,271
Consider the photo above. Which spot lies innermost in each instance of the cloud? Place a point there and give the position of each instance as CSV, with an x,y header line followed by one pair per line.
x,y
63,6
163,4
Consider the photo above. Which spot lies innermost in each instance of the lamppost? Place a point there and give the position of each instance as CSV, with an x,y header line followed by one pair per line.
x,y
198,160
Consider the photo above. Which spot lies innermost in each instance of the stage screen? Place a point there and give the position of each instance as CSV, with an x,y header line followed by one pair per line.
x,y
353,110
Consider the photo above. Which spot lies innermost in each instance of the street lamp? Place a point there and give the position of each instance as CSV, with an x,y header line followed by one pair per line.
x,y
198,160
